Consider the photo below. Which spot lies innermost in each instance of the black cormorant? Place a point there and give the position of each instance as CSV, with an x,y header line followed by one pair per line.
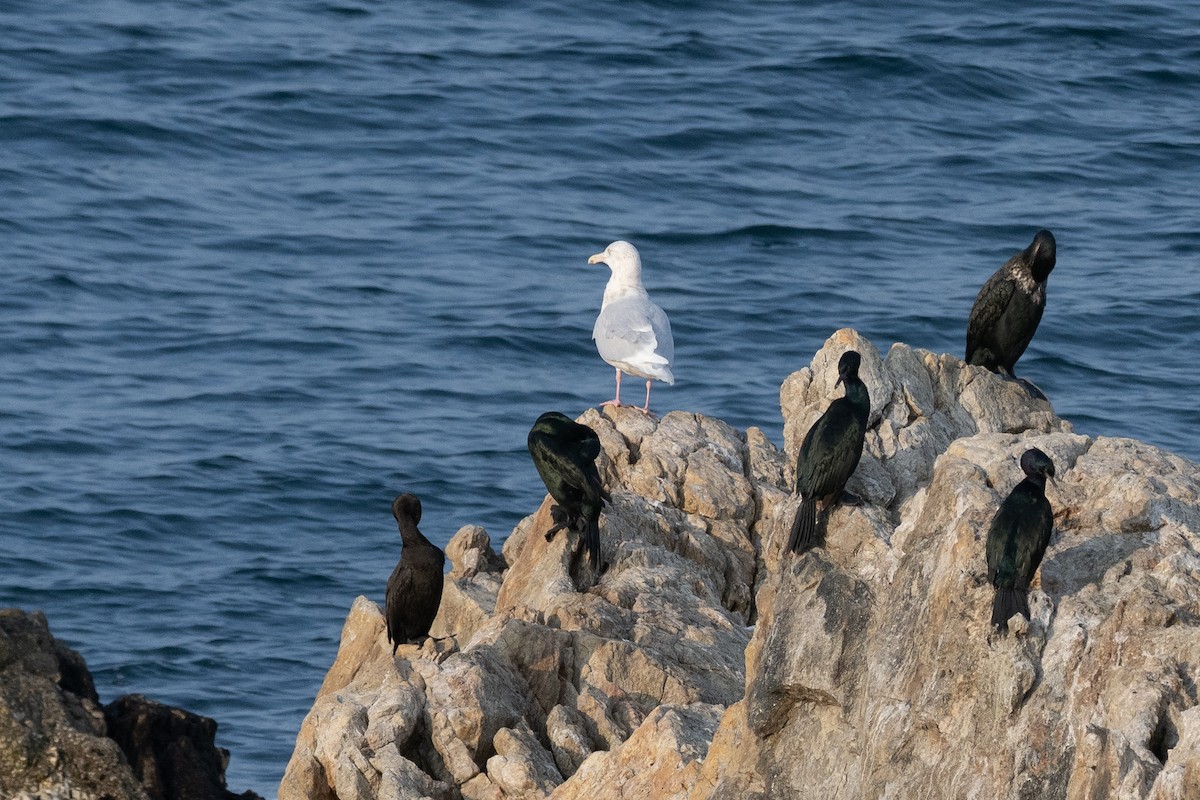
x,y
830,452
1009,306
1018,537
414,591
564,452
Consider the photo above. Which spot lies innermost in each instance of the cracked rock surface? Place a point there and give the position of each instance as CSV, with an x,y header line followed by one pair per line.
x,y
705,663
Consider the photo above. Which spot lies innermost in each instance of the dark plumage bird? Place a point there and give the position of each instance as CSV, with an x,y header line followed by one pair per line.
x,y
1018,537
414,591
1009,307
564,452
830,453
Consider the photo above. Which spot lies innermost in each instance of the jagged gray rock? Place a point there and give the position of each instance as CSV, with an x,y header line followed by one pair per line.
x,y
879,647
469,593
52,732
869,670
555,675
172,752
57,742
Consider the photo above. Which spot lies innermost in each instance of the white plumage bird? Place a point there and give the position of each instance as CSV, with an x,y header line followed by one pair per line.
x,y
632,333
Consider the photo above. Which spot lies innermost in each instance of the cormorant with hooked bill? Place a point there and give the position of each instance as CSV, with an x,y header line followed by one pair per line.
x,y
830,453
1017,538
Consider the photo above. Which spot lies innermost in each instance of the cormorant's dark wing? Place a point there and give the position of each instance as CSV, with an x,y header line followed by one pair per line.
x,y
585,447
561,469
585,441
1018,537
414,593
565,452
830,452
993,298
1002,529
585,456
1036,539
399,586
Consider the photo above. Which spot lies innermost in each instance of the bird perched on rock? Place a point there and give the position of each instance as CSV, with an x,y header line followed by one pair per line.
x,y
1009,307
1017,538
631,333
830,453
564,452
414,591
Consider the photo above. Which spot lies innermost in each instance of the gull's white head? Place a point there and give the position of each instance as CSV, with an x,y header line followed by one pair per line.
x,y
622,258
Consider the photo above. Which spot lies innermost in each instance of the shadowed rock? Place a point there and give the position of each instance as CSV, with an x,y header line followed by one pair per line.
x,y
55,741
171,751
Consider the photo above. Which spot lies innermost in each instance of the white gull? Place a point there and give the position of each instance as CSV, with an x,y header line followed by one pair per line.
x,y
631,333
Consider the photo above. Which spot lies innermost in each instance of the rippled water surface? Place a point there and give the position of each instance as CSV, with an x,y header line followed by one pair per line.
x,y
268,264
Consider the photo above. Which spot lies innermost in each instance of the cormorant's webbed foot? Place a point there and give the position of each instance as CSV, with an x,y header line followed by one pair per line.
x,y
849,498
1032,390
561,520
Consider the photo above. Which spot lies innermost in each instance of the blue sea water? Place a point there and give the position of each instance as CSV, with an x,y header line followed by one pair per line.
x,y
265,265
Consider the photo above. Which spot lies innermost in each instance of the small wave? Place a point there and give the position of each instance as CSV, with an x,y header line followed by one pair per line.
x,y
762,234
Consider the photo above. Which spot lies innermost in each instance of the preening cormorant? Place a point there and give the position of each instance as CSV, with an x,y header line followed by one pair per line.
x,y
631,333
1009,307
830,452
1017,538
564,452
414,591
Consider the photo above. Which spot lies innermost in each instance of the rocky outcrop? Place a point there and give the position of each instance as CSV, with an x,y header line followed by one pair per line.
x,y
172,752
542,676
57,742
52,733
707,663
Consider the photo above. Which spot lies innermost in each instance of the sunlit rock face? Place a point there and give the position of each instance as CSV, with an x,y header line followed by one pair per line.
x,y
705,662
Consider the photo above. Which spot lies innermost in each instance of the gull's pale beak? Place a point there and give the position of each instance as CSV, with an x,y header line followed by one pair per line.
x,y
598,258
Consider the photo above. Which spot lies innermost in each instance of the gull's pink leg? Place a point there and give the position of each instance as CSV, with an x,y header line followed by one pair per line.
x,y
646,408
617,400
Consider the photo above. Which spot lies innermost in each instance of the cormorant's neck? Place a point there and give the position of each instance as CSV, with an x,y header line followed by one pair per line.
x,y
409,533
1023,276
856,391
1037,483
1040,270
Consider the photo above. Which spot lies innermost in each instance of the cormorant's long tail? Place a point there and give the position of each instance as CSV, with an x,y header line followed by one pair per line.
x,y
591,537
804,527
1007,603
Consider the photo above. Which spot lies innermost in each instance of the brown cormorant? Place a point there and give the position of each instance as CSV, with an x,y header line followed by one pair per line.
x,y
1009,307
1018,537
414,591
564,452
830,452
